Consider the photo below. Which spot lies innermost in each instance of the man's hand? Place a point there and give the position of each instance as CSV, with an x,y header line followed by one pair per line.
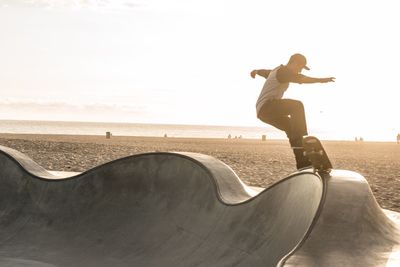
x,y
253,73
260,72
327,80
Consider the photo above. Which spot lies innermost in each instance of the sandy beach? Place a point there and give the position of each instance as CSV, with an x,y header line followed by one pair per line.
x,y
256,162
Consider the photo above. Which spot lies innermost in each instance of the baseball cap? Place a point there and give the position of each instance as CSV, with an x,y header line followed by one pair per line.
x,y
300,59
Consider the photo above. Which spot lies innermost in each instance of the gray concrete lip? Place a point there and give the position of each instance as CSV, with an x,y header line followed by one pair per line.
x,y
183,209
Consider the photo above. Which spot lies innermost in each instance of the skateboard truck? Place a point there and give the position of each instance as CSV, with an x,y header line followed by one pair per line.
x,y
315,152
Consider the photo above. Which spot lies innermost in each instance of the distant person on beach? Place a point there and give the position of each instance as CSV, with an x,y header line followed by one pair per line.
x,y
286,114
398,138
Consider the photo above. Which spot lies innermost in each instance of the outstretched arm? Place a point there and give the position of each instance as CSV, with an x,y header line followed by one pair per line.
x,y
263,73
306,79
285,75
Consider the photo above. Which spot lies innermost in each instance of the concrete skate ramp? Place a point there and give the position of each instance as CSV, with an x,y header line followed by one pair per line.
x,y
185,209
158,209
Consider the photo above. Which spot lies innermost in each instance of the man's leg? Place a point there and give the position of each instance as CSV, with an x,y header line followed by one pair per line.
x,y
298,151
288,115
297,131
295,110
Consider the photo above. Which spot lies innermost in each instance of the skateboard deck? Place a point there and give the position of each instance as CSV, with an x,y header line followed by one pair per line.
x,y
315,152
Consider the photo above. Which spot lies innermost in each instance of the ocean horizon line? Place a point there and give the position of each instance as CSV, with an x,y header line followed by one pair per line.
x,y
186,137
143,129
135,129
140,123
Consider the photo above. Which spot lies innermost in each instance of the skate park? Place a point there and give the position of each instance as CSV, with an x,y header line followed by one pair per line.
x,y
188,209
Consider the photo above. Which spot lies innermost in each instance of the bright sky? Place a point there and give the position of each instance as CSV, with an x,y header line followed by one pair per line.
x,y
188,61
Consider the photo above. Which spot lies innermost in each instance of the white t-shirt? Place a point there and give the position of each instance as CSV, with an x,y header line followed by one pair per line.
x,y
272,89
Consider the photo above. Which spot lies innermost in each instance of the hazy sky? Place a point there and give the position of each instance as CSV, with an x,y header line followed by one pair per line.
x,y
187,61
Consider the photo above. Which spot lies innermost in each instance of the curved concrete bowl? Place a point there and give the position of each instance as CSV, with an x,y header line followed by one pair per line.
x,y
186,209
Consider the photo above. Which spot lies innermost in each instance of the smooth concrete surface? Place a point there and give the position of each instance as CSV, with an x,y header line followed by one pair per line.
x,y
186,209
352,229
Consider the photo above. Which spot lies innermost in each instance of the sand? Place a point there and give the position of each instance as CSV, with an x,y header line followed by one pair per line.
x,y
256,162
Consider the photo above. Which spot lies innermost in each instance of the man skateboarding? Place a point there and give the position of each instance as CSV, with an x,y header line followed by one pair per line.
x,y
286,114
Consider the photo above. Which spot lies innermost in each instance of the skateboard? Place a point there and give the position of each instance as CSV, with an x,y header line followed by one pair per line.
x,y
315,152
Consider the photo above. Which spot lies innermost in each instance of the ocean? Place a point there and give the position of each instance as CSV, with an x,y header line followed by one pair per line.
x,y
177,130
137,129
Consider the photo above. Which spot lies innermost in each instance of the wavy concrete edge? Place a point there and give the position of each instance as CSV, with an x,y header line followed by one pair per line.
x,y
230,190
318,243
345,194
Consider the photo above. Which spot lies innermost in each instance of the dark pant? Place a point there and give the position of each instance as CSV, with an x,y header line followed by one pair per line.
x,y
288,115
